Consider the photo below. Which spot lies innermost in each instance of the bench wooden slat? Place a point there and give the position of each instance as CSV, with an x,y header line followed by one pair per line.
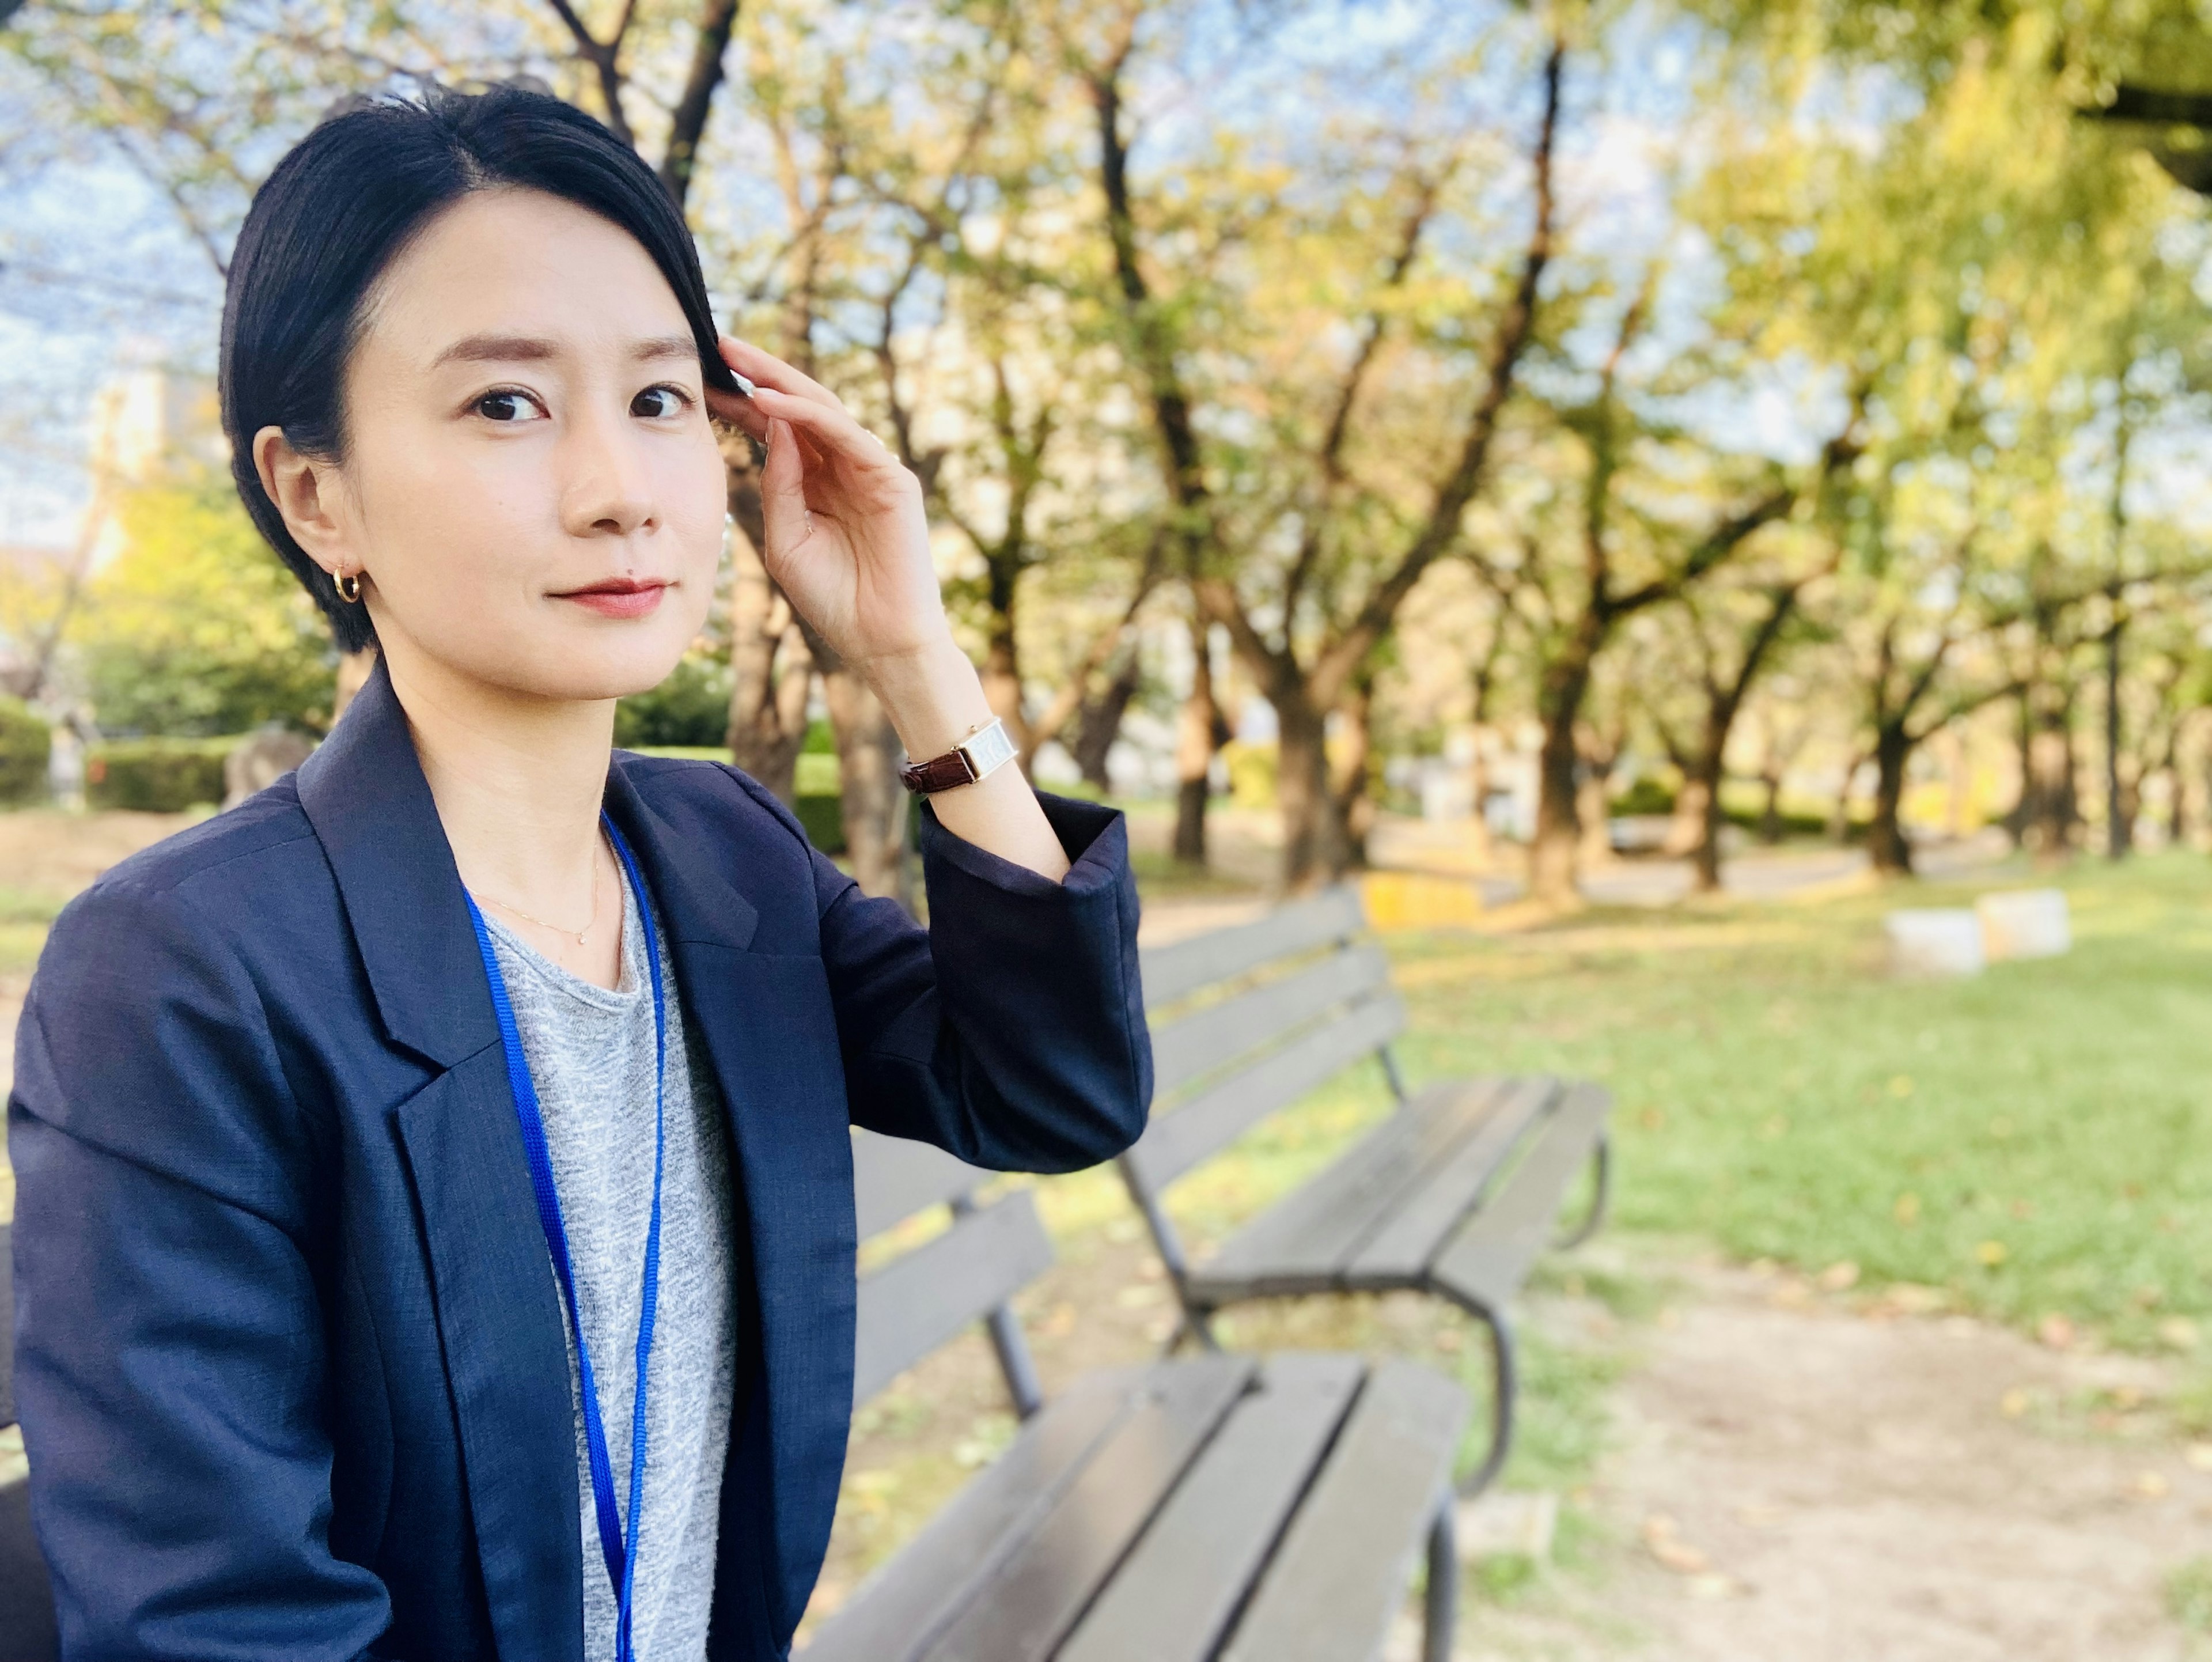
x,y
1040,1588
914,1304
1176,971
1413,1229
896,1613
1489,1258
1179,1140
1340,1574
1302,1244
1184,1049
894,1177
1181,1585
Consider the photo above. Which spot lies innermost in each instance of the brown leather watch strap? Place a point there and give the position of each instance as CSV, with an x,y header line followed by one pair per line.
x,y
939,773
981,751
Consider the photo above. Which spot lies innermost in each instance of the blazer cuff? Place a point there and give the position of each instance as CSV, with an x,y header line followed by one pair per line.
x,y
1094,837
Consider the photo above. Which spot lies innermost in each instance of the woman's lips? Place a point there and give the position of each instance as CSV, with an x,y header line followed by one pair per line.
x,y
618,598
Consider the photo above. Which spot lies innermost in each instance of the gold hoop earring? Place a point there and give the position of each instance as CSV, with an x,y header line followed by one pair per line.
x,y
350,595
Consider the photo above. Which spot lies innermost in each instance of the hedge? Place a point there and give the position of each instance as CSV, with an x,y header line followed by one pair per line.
x,y
156,775
24,744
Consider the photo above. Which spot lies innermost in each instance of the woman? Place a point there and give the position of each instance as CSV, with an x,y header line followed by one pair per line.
x,y
338,1119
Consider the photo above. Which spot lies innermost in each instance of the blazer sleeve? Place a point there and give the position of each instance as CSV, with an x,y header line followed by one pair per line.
x,y
1009,1031
170,1362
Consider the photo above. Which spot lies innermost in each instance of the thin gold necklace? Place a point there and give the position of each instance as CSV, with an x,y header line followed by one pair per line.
x,y
507,906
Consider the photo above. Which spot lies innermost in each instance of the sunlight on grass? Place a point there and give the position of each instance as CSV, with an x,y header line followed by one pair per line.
x,y
2031,1140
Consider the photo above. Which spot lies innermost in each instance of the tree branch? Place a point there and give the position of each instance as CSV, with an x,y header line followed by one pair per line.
x,y
1515,330
688,120
603,57
1330,457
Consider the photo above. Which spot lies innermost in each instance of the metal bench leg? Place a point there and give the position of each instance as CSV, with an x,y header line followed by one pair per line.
x,y
1390,1072
1194,1324
1440,1606
1507,1378
1602,1188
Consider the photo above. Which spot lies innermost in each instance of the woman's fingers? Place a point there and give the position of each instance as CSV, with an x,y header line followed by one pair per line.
x,y
783,489
766,370
831,429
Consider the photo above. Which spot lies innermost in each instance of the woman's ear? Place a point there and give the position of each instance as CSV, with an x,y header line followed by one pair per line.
x,y
304,492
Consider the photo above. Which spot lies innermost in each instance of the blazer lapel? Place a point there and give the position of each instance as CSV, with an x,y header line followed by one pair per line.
x,y
500,1323
766,1023
501,1328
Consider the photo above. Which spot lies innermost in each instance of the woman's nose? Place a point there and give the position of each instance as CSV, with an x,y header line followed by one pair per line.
x,y
607,486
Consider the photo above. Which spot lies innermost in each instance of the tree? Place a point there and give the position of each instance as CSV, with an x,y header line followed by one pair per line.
x,y
195,627
1302,538
1590,548
1734,634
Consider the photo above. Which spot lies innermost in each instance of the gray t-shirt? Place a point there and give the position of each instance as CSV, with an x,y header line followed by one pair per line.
x,y
590,1054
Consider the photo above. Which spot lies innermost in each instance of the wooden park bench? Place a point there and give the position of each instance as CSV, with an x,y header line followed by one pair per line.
x,y
1249,1509
1456,1194
27,1604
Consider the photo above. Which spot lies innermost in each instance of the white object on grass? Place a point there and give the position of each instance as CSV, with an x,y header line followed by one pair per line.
x,y
2025,923
1936,942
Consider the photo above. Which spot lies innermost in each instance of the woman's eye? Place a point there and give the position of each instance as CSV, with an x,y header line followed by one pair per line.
x,y
659,401
507,406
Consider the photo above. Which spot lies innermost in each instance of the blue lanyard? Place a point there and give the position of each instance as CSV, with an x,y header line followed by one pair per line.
x,y
621,1551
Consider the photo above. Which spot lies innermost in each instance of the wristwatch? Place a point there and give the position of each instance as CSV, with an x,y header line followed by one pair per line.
x,y
983,750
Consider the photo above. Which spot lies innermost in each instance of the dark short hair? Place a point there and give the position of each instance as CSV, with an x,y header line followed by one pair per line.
x,y
342,203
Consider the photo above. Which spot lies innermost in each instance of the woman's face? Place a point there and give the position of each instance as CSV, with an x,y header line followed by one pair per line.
x,y
530,490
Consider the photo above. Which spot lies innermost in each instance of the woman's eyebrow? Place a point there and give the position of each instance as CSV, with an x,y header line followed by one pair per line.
x,y
525,348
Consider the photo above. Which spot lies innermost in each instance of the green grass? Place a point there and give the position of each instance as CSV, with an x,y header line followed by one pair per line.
x,y
2033,1141
2188,1595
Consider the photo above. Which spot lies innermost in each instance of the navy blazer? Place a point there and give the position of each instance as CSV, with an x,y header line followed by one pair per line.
x,y
290,1362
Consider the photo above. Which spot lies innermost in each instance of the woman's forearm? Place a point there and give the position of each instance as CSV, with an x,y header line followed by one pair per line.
x,y
934,698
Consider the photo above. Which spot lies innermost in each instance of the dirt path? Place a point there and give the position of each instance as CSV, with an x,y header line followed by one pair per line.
x,y
1832,1481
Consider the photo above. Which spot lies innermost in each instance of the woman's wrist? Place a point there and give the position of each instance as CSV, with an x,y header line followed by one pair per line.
x,y
931,694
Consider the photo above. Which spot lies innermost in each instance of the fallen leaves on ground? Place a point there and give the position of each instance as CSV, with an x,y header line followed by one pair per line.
x,y
1662,1537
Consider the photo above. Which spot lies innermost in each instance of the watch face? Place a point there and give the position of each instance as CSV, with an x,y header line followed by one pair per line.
x,y
987,749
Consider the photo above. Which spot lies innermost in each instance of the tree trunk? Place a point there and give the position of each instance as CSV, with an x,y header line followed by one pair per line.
x,y
1552,854
2053,809
873,799
1098,724
770,671
1593,808
1685,827
771,666
1706,859
1839,816
1002,670
1485,680
2119,806
1197,736
1355,803
1769,812
1315,847
1886,843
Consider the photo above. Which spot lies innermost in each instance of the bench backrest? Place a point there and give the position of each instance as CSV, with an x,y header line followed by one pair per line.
x,y
1293,998
924,1296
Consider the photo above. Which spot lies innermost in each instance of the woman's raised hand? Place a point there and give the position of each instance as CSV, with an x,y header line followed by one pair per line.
x,y
848,541
849,544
